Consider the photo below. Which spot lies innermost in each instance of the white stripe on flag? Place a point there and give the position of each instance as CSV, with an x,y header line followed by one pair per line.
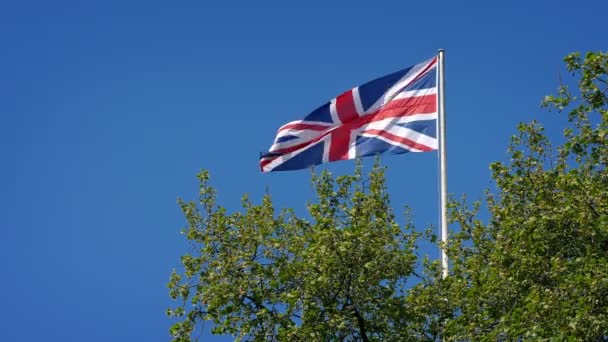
x,y
334,112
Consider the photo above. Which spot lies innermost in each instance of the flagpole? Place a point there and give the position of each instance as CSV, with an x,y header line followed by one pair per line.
x,y
442,161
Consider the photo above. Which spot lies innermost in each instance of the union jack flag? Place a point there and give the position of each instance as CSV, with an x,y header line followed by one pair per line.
x,y
396,113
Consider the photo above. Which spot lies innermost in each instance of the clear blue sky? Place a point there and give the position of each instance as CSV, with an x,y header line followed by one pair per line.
x,y
109,108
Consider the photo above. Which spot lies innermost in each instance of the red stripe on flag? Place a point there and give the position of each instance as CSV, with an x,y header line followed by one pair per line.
x,y
265,162
402,140
303,126
408,101
401,108
340,142
405,107
345,106
302,145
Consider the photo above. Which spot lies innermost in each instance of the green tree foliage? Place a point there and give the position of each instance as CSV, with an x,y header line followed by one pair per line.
x,y
260,275
539,268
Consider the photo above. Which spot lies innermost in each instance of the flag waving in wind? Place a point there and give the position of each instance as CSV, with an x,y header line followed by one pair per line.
x,y
395,113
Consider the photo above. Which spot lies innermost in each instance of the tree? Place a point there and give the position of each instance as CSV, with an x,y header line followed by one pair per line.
x,y
260,275
539,268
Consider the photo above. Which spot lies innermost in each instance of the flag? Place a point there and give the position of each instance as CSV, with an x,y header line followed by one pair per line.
x,y
396,113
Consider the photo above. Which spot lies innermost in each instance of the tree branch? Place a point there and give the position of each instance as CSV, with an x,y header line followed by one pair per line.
x,y
361,324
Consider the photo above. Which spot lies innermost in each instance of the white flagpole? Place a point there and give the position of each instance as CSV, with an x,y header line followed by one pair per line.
x,y
442,160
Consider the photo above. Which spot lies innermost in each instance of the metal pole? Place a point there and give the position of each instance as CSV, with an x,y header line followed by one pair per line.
x,y
442,160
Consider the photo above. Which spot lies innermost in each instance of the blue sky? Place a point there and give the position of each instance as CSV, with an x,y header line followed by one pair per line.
x,y
109,108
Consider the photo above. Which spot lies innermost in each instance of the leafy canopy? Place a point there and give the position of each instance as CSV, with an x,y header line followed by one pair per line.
x,y
260,275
